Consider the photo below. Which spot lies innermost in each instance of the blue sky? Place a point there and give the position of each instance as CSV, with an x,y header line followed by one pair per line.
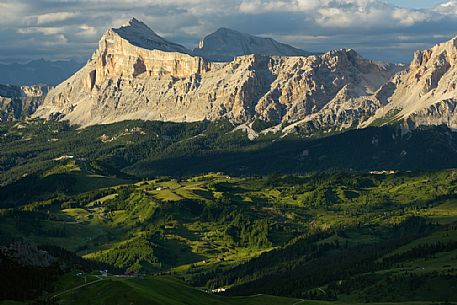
x,y
388,30
416,3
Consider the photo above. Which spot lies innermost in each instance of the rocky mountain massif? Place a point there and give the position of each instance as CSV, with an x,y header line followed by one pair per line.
x,y
135,74
17,102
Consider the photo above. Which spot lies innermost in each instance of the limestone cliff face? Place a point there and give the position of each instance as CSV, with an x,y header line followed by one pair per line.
x,y
426,93
144,77
122,77
117,56
17,102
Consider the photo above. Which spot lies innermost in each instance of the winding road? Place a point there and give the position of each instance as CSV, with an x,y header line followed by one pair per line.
x,y
76,288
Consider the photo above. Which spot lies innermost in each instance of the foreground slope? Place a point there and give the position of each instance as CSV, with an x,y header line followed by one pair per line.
x,y
351,237
158,291
169,291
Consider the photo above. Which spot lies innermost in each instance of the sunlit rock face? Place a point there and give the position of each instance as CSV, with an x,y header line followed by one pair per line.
x,y
426,93
135,74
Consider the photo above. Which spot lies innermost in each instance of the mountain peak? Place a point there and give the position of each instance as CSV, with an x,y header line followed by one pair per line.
x,y
442,53
225,44
133,20
451,43
139,34
224,30
136,28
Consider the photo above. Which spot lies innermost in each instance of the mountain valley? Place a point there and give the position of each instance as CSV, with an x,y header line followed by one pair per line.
x,y
244,171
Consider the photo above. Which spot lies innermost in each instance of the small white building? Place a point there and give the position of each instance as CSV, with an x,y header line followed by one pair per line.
x,y
218,290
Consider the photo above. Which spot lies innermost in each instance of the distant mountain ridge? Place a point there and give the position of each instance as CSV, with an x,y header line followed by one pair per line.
x,y
38,72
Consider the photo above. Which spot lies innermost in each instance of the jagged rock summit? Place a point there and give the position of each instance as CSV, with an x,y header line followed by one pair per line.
x,y
140,35
425,93
226,44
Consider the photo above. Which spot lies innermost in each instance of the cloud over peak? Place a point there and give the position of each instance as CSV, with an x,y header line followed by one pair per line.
x,y
375,28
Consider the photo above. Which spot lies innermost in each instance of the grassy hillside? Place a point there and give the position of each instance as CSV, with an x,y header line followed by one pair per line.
x,y
355,237
158,290
163,290
217,210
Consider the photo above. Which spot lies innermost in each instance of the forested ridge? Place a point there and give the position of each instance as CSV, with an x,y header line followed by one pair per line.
x,y
291,217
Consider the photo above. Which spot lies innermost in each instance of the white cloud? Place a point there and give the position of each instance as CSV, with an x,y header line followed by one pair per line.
x,y
9,10
262,6
87,31
42,30
341,13
408,18
447,8
49,18
58,40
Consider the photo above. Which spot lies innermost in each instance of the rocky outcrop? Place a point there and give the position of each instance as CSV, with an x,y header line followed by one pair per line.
x,y
124,81
226,44
335,92
18,102
426,93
